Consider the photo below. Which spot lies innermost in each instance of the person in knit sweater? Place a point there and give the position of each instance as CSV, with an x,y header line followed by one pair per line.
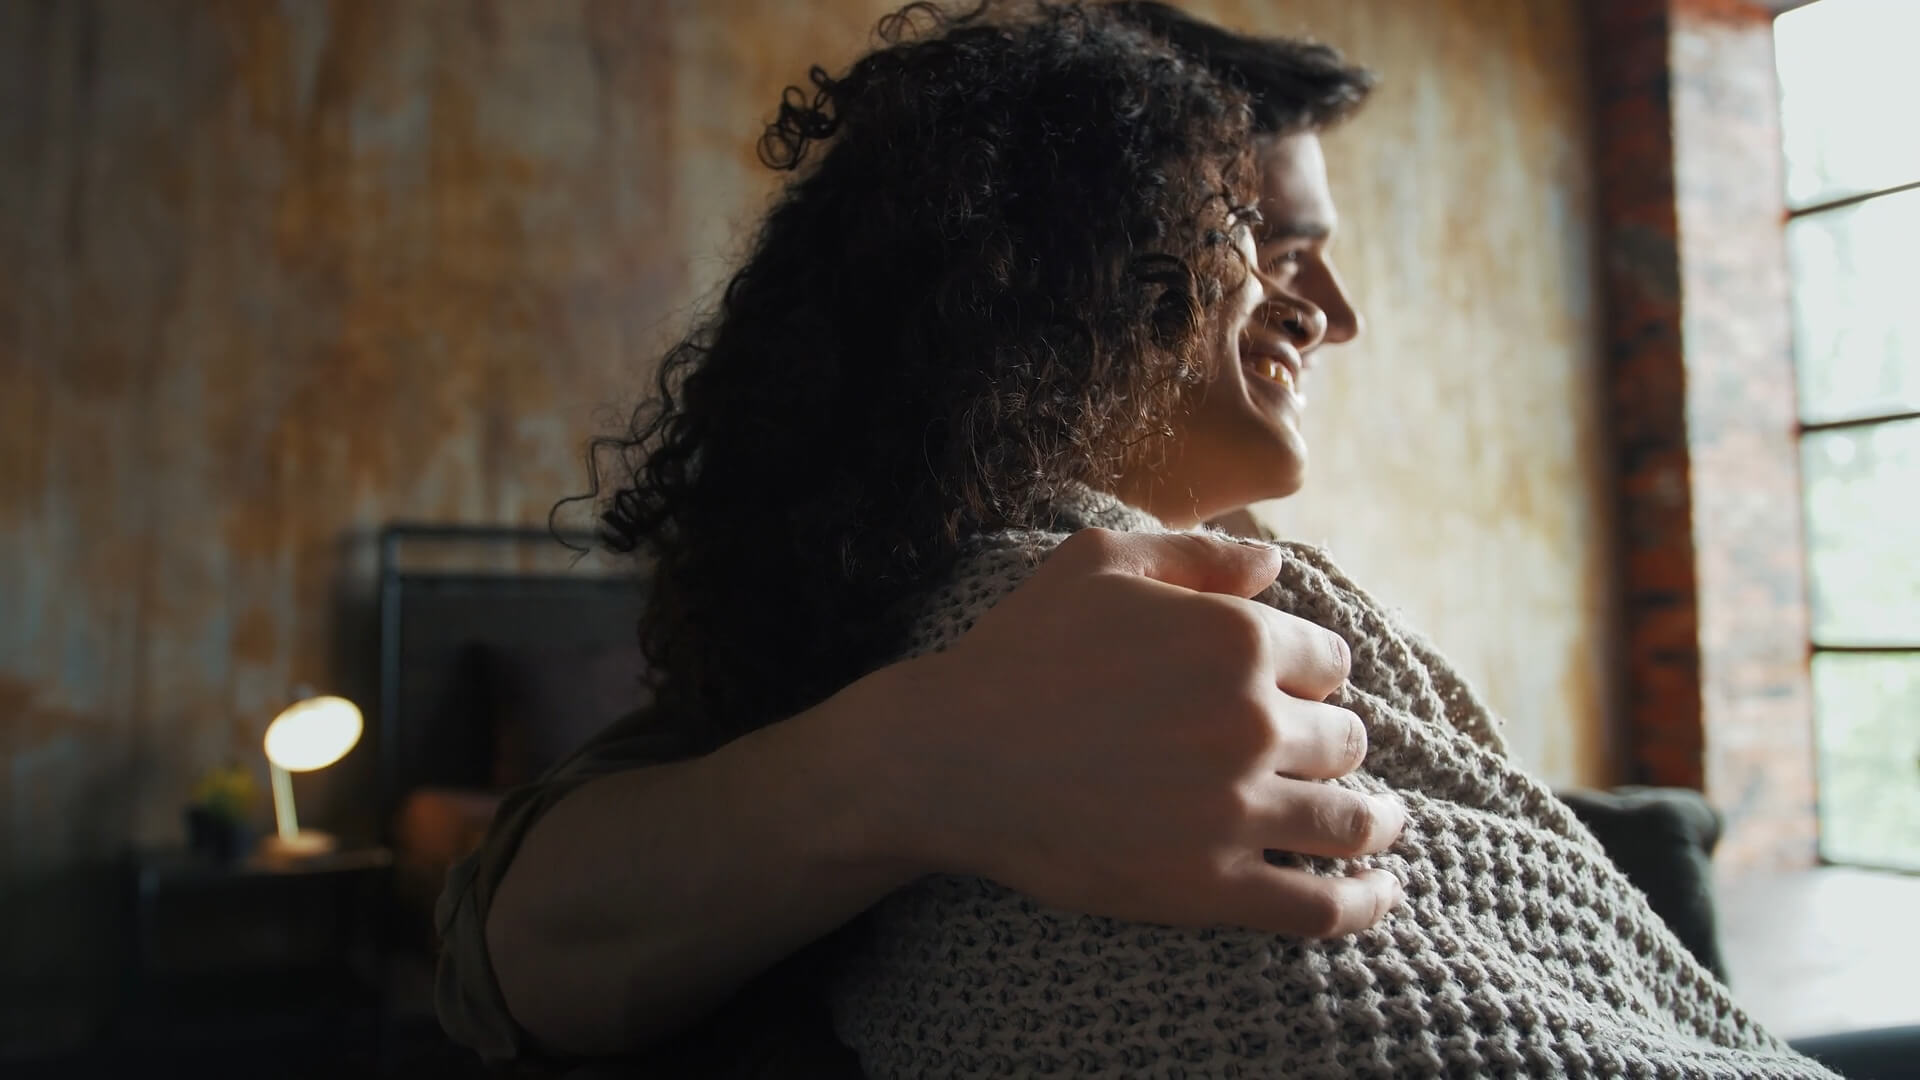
x,y
1019,291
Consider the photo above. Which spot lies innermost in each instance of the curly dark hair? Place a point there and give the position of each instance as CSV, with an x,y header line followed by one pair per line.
x,y
987,280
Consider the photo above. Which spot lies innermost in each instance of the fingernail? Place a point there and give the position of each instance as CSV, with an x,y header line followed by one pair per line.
x,y
1341,655
1393,810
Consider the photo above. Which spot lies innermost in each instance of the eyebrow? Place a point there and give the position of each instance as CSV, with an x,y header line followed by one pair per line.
x,y
1295,230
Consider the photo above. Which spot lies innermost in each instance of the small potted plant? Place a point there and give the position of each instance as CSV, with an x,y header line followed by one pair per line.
x,y
217,818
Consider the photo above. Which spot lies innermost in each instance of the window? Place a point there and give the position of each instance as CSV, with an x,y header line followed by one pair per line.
x,y
1848,84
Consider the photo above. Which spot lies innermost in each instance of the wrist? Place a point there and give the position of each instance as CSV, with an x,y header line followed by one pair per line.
x,y
879,728
858,795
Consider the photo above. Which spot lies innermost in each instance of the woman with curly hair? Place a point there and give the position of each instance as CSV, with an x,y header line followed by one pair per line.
x,y
1013,294
675,932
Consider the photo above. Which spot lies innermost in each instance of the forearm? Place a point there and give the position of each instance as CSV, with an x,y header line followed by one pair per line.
x,y
644,898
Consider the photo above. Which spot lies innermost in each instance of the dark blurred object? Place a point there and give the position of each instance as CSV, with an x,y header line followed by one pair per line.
x,y
547,701
496,661
218,818
221,955
1662,839
1881,1054
215,837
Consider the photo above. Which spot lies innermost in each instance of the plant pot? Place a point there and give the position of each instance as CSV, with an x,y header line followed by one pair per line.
x,y
216,836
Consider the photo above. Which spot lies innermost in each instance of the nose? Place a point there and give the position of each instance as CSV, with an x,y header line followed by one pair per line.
x,y
1343,321
1304,323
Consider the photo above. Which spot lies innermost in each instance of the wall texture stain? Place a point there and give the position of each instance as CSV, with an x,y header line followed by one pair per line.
x,y
273,274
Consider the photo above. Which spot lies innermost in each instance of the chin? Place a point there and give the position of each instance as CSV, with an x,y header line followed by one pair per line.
x,y
1228,466
1284,470
1290,484
1268,478
1282,482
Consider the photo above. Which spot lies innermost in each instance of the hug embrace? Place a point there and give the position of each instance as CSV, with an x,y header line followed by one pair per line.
x,y
1045,292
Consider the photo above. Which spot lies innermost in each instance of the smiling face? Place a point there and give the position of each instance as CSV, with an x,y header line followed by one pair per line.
x,y
1242,438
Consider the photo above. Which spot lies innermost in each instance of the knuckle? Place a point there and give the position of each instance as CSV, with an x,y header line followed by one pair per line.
x,y
1224,873
1223,816
1092,545
1211,874
1249,730
1234,633
1342,655
1362,818
1321,912
1185,541
1354,752
1312,654
1347,818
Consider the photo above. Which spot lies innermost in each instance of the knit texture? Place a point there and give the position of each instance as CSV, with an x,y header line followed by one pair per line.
x,y
1519,949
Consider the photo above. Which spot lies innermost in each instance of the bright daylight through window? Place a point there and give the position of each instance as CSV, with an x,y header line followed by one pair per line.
x,y
1848,81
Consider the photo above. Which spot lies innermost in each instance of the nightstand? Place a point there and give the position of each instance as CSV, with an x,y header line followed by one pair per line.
x,y
256,954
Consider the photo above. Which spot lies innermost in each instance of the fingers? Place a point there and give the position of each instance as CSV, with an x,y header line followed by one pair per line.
x,y
1286,900
1308,818
1315,741
1309,661
1188,560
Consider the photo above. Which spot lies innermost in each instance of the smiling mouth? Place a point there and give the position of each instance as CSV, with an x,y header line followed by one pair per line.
x,y
1278,368
1271,368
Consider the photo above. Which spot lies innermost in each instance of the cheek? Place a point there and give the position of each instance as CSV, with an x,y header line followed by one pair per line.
x,y
1223,336
1218,362
1245,300
1216,407
1204,403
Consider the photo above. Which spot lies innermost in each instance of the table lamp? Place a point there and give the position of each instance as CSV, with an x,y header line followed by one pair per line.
x,y
309,734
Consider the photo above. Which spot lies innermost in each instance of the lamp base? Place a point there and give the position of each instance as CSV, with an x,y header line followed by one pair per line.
x,y
304,844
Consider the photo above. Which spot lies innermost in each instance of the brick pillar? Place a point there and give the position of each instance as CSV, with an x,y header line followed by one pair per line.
x,y
1647,379
1704,416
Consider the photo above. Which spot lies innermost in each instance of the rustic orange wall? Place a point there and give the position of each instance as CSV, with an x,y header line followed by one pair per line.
x,y
272,275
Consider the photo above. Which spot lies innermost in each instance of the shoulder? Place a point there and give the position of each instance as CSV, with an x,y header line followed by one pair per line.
x,y
992,565
1309,580
989,567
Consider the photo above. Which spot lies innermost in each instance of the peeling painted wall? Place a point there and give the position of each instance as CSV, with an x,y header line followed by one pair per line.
x,y
273,274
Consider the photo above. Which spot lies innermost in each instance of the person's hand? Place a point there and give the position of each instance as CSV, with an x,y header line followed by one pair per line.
x,y
1127,734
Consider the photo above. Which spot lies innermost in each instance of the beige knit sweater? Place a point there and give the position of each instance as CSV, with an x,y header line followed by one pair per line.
x,y
1519,949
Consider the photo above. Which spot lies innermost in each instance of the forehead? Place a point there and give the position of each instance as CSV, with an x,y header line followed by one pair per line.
x,y
1293,180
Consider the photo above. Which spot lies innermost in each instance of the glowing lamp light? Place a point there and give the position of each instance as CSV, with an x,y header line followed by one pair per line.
x,y
307,735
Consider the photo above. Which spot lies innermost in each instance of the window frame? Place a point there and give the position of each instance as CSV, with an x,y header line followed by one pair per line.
x,y
1863,422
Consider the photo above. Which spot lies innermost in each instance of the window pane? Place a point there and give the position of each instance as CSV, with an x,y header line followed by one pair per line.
x,y
1869,731
1847,81
1856,320
1863,533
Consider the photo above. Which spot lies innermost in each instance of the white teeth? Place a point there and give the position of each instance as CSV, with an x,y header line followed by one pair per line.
x,y
1275,371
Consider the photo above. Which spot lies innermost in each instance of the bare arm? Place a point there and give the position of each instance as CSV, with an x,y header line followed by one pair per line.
x,y
644,898
1063,747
